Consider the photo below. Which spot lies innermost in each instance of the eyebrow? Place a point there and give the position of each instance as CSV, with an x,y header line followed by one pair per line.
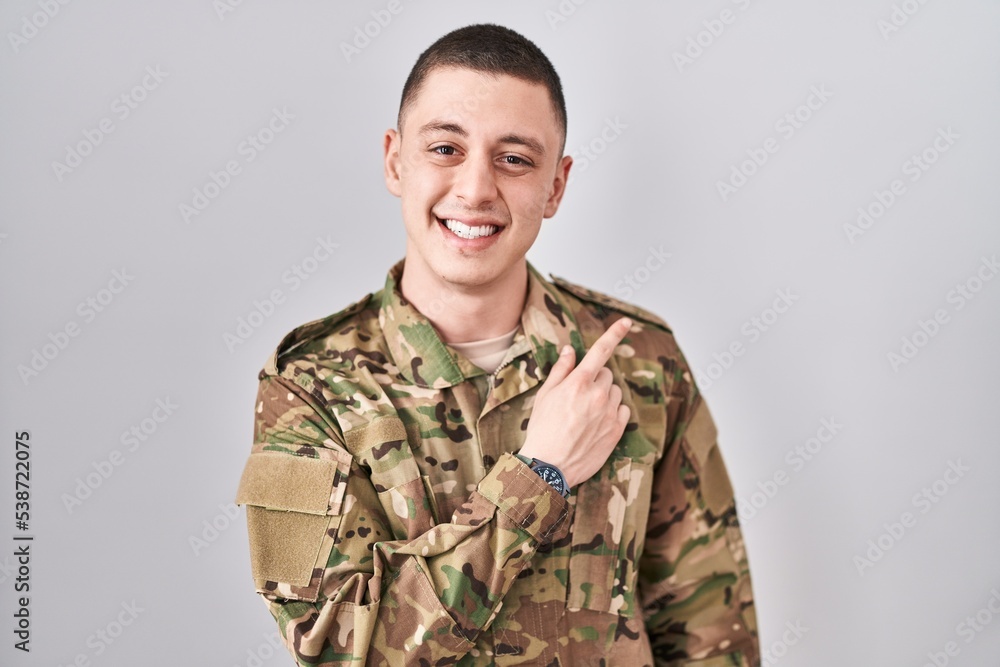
x,y
454,128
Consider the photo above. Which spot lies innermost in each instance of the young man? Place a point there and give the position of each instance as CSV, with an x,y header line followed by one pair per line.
x,y
475,465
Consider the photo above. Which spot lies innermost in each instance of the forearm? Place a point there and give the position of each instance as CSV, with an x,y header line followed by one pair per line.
x,y
397,601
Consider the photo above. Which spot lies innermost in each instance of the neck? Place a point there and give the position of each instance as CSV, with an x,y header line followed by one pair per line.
x,y
463,312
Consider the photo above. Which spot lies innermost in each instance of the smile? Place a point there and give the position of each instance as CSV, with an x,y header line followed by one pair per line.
x,y
466,232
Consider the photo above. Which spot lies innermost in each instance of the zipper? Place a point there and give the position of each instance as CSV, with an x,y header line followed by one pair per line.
x,y
493,375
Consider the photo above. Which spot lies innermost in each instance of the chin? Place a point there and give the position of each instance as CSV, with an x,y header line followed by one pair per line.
x,y
468,275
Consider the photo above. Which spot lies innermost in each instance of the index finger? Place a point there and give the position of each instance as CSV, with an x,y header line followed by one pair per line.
x,y
603,348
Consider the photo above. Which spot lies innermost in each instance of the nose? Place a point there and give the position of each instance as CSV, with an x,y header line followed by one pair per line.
x,y
475,182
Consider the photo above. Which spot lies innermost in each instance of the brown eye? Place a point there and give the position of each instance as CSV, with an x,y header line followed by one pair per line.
x,y
515,160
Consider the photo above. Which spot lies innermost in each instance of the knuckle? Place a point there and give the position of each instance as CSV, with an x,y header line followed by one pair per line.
x,y
602,347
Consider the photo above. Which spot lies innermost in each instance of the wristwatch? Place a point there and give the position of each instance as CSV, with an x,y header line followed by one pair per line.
x,y
549,473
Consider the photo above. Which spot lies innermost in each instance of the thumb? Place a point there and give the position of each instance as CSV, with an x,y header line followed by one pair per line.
x,y
563,366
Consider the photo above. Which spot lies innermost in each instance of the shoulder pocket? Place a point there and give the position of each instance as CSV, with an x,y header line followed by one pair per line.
x,y
701,438
294,506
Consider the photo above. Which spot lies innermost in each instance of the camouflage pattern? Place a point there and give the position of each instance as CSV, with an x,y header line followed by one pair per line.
x,y
390,523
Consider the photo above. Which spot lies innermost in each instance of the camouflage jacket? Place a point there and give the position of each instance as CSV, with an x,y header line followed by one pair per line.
x,y
390,523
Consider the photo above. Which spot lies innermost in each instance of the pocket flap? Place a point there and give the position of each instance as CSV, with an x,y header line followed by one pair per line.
x,y
281,481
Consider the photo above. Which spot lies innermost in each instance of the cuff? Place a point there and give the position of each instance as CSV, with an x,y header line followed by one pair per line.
x,y
524,497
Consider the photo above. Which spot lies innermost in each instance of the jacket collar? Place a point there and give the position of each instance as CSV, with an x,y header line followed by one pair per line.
x,y
547,324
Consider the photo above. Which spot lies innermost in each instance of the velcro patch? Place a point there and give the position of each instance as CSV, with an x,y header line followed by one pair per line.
x,y
274,480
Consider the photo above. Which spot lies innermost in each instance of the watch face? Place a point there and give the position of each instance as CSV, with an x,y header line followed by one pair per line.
x,y
552,477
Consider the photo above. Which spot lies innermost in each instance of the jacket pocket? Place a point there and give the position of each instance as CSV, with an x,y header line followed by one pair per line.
x,y
294,506
608,532
410,508
382,449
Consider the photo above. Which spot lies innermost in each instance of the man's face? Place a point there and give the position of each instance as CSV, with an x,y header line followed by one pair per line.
x,y
483,152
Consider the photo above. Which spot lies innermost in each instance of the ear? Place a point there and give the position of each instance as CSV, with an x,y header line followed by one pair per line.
x,y
390,146
558,186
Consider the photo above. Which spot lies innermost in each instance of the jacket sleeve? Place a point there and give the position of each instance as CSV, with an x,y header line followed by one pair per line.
x,y
694,576
358,574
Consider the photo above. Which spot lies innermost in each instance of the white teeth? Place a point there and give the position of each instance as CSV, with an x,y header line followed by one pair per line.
x,y
467,232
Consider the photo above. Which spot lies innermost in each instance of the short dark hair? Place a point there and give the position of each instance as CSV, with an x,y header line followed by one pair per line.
x,y
490,48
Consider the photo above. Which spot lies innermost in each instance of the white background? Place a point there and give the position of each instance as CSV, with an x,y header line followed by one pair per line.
x,y
681,128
